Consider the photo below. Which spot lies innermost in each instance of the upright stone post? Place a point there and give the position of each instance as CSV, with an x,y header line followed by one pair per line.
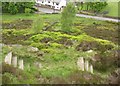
x,y
86,65
8,58
14,61
80,63
91,69
28,67
21,65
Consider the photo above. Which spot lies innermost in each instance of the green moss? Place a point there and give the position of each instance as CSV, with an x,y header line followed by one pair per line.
x,y
55,45
49,50
38,45
15,32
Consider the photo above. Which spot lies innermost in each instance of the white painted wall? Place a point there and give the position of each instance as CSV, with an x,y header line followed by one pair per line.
x,y
40,2
62,3
46,2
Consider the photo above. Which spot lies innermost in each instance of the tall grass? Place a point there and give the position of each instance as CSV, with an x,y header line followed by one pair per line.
x,y
37,24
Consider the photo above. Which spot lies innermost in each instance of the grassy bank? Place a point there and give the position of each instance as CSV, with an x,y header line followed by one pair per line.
x,y
58,51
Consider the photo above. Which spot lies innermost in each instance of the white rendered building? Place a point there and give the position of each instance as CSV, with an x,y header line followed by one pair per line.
x,y
56,4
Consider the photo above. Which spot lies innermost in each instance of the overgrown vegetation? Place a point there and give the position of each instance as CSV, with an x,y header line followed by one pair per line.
x,y
58,49
68,16
37,25
17,7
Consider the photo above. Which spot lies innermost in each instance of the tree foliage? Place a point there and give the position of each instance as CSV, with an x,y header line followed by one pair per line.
x,y
37,25
16,7
12,8
97,6
68,16
92,6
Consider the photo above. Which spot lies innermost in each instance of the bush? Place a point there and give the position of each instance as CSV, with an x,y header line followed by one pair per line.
x,y
9,78
12,8
38,45
55,45
17,7
27,11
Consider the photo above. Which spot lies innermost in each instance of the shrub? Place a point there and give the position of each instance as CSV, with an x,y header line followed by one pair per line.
x,y
55,45
27,11
17,7
38,45
12,8
9,79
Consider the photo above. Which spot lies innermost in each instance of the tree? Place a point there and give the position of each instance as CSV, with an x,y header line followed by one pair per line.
x,y
12,8
16,7
37,24
96,6
68,16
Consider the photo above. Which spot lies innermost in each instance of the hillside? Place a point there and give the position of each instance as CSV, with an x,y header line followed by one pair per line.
x,y
58,52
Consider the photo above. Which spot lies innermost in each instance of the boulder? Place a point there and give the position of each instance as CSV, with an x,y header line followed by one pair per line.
x,y
33,49
8,58
80,63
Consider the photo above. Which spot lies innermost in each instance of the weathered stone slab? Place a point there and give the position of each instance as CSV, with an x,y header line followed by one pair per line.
x,y
8,58
89,51
91,69
80,63
21,65
33,49
86,65
14,61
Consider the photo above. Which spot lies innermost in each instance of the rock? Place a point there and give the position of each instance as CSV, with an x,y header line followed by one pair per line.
x,y
21,65
86,65
33,49
1,45
8,58
14,61
80,63
89,51
16,45
91,69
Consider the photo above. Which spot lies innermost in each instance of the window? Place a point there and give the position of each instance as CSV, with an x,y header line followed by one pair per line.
x,y
57,3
